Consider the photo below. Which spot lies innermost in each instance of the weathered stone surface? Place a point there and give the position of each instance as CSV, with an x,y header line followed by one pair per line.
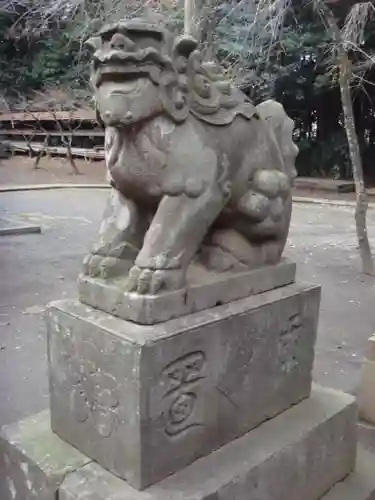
x,y
205,290
186,188
360,485
33,460
299,454
19,229
366,435
366,391
145,401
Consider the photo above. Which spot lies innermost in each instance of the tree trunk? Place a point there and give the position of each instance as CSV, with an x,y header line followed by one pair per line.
x,y
351,135
40,154
188,16
31,151
197,22
355,156
70,156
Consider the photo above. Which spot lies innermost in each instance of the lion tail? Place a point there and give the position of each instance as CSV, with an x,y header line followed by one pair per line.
x,y
282,126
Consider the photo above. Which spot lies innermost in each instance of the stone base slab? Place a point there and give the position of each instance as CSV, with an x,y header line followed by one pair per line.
x,y
299,454
145,401
203,293
366,435
360,485
366,390
19,229
34,461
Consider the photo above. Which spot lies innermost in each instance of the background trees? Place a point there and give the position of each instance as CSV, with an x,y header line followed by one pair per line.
x,y
291,61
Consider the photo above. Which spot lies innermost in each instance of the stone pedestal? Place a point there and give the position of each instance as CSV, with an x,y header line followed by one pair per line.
x,y
297,455
209,406
146,401
300,454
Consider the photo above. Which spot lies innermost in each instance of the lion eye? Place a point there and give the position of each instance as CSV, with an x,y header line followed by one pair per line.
x,y
202,86
121,42
180,101
180,64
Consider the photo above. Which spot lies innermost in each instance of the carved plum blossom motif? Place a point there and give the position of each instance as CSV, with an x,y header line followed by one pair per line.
x,y
289,344
93,393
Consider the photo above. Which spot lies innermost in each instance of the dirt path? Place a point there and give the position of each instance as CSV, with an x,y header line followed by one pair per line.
x,y
19,171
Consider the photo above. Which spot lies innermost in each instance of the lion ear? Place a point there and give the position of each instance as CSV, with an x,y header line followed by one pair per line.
x,y
94,43
184,45
175,102
174,94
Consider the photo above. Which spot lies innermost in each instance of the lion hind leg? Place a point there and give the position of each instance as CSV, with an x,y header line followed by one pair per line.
x,y
247,254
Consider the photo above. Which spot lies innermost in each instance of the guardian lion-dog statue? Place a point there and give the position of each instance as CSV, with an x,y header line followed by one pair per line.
x,y
200,177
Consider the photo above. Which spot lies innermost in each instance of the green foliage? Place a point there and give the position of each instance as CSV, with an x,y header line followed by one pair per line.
x,y
29,62
295,67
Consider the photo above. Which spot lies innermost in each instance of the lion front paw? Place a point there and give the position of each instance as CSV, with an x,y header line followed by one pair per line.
x,y
91,265
98,266
146,281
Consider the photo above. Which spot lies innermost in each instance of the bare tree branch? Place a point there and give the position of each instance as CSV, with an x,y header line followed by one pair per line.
x,y
355,21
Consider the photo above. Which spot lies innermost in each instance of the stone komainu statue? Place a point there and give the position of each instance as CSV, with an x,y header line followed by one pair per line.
x,y
201,178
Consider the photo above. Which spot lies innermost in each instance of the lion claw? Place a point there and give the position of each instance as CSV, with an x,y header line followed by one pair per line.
x,y
97,266
146,281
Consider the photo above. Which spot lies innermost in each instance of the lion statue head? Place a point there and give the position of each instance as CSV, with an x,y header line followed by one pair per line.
x,y
140,70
